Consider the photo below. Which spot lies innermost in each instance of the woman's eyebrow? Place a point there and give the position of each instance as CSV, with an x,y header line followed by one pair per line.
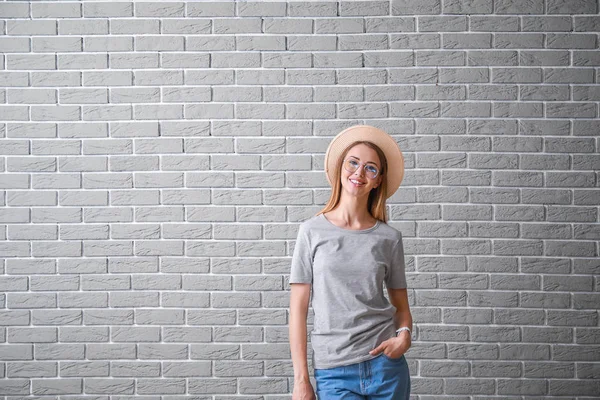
x,y
368,162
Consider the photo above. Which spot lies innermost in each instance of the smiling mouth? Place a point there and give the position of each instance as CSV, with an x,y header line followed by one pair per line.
x,y
356,183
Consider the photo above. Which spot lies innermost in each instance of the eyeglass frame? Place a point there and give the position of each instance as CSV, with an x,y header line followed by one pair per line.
x,y
361,165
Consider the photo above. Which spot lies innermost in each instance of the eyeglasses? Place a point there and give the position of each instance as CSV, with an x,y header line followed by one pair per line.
x,y
351,165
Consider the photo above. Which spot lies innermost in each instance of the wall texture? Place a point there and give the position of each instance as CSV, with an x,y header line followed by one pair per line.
x,y
157,159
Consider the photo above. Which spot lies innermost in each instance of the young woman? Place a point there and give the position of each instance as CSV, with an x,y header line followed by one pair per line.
x,y
345,253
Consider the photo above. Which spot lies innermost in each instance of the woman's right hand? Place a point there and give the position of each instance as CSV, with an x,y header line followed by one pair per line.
x,y
303,390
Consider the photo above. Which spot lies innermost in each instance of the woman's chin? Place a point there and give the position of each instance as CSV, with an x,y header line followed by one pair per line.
x,y
355,191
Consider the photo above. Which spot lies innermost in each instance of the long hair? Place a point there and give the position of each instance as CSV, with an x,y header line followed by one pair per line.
x,y
376,203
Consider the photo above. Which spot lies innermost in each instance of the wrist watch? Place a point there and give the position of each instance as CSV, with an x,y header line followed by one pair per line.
x,y
404,328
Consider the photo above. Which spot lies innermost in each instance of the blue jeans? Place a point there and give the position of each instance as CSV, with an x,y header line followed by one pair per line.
x,y
381,378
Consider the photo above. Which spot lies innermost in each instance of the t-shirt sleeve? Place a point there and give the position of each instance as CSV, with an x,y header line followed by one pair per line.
x,y
396,278
301,270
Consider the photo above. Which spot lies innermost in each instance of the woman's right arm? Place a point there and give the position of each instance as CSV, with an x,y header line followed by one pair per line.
x,y
299,299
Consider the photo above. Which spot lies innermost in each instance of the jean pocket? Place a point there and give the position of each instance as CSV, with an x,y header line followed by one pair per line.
x,y
393,359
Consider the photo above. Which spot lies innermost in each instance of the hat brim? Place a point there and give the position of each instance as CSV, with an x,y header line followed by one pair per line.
x,y
393,154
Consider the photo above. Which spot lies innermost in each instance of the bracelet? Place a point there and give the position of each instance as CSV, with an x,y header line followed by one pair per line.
x,y
404,328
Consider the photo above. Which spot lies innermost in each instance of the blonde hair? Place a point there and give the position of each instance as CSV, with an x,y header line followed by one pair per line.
x,y
376,203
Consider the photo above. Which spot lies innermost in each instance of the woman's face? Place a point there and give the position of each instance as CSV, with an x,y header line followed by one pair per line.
x,y
358,183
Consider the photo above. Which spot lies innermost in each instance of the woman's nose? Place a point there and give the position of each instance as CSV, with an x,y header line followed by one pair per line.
x,y
360,170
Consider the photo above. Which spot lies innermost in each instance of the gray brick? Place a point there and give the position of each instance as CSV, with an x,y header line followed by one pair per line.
x,y
114,9
571,41
572,318
107,43
238,334
56,10
112,317
312,8
30,61
450,229
187,334
83,334
165,386
517,317
135,368
14,352
31,27
263,385
566,386
157,9
14,10
493,299
15,44
456,281
492,58
246,25
467,40
84,369
79,300
428,350
549,370
15,386
212,386
587,335
585,231
567,248
82,27
502,196
109,386
545,265
158,317
546,23
56,44
211,317
518,40
31,370
495,334
586,23
416,7
524,352
54,283
522,386
364,8
469,385
574,352
496,368
238,368
233,300
489,161
111,351
516,178
462,75
587,370
444,368
413,40
467,7
59,352
493,264
558,179
56,386
545,300
134,26
547,335
135,334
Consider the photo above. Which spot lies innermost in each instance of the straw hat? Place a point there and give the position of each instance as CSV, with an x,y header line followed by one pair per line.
x,y
393,154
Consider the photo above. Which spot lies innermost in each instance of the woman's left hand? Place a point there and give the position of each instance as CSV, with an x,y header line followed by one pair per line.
x,y
394,347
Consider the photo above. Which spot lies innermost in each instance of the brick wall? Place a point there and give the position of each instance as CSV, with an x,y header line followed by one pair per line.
x,y
157,158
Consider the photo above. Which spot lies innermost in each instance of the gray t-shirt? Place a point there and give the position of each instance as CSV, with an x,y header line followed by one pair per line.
x,y
347,269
